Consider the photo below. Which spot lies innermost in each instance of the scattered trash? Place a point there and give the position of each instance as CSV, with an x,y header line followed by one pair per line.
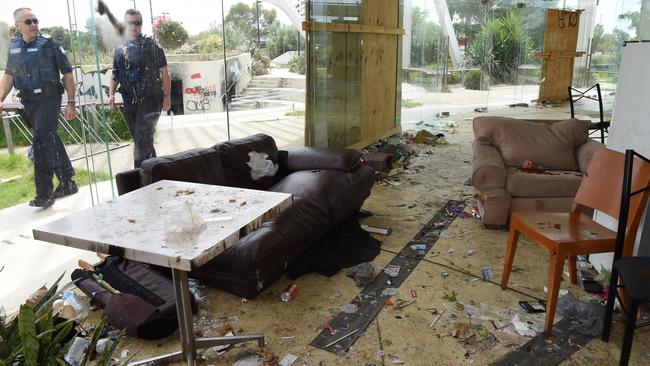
x,y
376,230
522,327
249,359
444,274
288,360
124,353
425,137
414,294
389,291
401,304
486,273
396,360
289,293
195,287
451,250
79,306
75,354
470,252
561,293
349,308
450,297
392,270
101,345
538,306
362,274
435,320
419,248
589,315
340,339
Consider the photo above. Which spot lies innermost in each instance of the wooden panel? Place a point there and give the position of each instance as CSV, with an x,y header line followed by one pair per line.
x,y
560,41
351,28
379,70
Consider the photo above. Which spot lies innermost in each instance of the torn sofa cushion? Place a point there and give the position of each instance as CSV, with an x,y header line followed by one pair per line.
x,y
201,165
550,145
235,159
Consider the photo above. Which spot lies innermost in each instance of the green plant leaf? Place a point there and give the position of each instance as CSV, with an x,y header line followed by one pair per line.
x,y
27,331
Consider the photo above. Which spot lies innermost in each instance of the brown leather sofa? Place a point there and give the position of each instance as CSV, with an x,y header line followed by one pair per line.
x,y
527,165
328,185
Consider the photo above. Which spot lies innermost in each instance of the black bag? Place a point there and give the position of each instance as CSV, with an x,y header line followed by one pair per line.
x,y
145,306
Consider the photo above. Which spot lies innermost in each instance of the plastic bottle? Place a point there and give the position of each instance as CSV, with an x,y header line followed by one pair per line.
x,y
80,308
76,352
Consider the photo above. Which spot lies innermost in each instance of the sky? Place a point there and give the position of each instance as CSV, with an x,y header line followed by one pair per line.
x,y
195,15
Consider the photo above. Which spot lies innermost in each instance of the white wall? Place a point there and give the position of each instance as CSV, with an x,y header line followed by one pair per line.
x,y
630,127
203,81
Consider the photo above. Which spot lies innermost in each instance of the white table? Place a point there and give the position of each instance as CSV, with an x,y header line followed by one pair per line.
x,y
134,226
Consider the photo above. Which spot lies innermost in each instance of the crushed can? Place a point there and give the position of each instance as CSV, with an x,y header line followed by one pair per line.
x,y
289,293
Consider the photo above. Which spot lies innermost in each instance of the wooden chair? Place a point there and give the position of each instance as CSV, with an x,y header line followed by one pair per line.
x,y
567,235
634,271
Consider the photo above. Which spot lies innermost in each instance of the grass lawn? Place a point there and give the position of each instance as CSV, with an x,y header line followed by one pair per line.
x,y
295,113
409,103
22,189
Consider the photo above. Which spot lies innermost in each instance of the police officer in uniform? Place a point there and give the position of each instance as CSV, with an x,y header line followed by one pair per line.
x,y
140,70
33,68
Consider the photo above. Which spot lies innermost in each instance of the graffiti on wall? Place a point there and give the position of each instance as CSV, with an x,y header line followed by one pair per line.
x,y
88,87
198,97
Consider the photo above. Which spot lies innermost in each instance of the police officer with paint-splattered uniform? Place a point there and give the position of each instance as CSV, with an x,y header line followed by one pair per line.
x,y
33,68
140,69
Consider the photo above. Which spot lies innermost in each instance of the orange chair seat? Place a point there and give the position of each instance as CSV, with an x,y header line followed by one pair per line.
x,y
574,233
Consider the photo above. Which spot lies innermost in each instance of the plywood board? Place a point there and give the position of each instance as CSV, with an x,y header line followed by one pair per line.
x,y
560,41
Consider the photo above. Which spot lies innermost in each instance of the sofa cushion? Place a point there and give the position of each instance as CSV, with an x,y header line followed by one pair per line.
x,y
336,192
308,158
551,183
550,145
234,156
196,165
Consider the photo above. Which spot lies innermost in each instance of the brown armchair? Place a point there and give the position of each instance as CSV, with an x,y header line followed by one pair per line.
x,y
527,165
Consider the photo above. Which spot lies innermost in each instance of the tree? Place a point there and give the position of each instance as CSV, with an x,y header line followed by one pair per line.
x,y
60,34
170,33
500,47
466,16
241,25
282,38
424,39
633,18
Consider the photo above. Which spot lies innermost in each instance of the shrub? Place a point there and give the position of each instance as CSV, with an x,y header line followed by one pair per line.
x,y
455,77
472,80
297,65
500,47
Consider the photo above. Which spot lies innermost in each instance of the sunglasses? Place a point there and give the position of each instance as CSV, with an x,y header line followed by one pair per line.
x,y
137,23
29,21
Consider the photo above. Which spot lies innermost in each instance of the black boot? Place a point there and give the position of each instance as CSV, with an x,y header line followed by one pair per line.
x,y
43,202
65,189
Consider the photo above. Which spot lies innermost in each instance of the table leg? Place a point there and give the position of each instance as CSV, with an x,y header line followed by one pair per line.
x,y
186,329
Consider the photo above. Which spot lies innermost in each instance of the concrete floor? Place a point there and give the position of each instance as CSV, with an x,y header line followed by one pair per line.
x,y
290,327
404,334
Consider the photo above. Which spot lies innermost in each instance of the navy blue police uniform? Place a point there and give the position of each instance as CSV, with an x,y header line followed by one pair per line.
x,y
136,68
36,68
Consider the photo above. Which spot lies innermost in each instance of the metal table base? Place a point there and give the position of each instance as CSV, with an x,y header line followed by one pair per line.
x,y
189,344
